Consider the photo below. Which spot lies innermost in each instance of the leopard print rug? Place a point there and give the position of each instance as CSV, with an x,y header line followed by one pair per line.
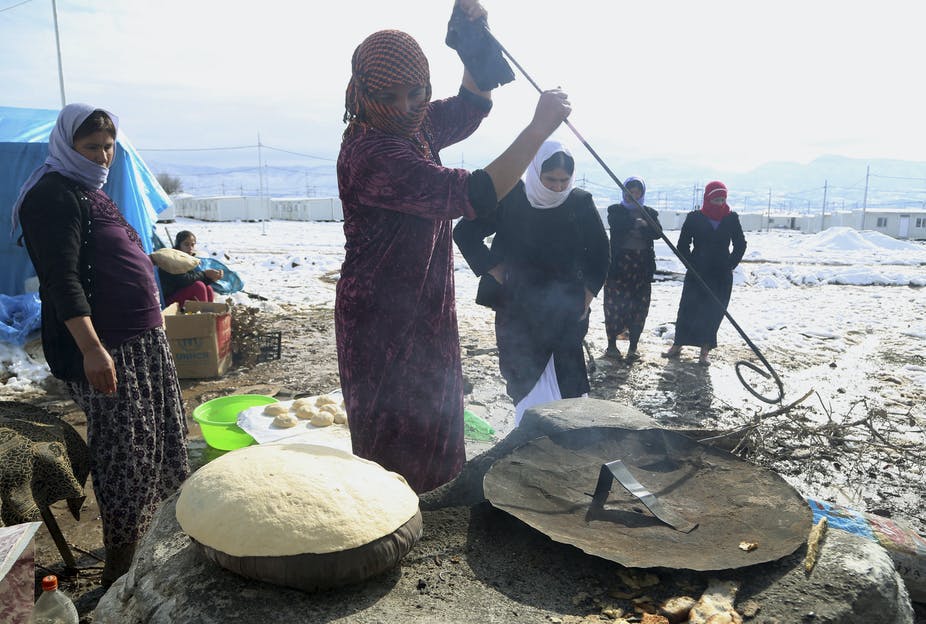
x,y
42,460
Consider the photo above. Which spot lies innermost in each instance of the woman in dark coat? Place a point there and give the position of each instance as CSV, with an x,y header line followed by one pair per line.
x,y
549,257
194,284
705,242
102,329
628,288
395,312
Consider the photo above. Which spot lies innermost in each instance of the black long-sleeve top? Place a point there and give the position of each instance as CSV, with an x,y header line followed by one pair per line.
x,y
90,263
567,243
709,250
621,223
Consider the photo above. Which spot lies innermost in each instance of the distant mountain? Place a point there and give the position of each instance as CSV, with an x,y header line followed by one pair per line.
x,y
794,187
290,179
672,185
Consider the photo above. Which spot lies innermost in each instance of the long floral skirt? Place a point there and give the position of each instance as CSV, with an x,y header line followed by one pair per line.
x,y
627,293
137,436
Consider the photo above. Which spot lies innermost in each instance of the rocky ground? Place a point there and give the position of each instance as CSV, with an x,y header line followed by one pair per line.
x,y
846,441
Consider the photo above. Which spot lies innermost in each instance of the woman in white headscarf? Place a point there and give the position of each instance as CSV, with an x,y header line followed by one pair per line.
x,y
548,260
102,330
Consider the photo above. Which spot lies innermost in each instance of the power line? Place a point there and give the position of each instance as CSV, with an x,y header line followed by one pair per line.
x,y
874,175
234,147
277,149
15,5
194,149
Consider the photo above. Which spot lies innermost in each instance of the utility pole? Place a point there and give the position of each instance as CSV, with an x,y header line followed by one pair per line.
x,y
865,201
54,11
823,213
260,184
768,213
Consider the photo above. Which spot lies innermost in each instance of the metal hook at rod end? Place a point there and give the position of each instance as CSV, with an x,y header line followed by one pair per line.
x,y
753,391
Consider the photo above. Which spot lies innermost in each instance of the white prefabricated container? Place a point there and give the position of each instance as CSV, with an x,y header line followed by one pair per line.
x,y
307,209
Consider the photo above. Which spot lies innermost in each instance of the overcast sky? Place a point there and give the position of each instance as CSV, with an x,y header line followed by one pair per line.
x,y
728,84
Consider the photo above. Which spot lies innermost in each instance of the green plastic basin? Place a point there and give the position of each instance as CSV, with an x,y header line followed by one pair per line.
x,y
218,420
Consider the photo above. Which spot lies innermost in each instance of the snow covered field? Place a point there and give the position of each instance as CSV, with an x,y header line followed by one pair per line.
x,y
794,294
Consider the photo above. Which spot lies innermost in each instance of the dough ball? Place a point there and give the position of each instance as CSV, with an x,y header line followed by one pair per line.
x,y
340,418
325,399
275,409
330,408
306,412
303,401
322,419
285,420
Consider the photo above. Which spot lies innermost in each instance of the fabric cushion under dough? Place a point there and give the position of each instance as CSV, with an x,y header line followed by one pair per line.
x,y
298,515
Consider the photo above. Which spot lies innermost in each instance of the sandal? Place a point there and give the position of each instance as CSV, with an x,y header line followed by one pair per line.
x,y
632,356
612,352
672,354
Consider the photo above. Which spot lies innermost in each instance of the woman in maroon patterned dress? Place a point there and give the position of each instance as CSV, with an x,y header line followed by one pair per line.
x,y
395,312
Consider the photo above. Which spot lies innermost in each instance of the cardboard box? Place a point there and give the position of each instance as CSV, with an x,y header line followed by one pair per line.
x,y
200,338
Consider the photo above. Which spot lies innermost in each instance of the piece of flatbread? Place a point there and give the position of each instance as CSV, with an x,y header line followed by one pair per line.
x,y
290,499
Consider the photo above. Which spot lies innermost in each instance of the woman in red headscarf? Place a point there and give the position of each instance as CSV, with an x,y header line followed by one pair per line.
x,y
395,312
705,243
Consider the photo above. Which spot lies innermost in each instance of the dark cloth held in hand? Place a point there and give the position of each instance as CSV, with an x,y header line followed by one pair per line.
x,y
478,50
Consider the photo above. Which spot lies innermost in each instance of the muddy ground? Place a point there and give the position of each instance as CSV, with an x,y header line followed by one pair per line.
x,y
848,463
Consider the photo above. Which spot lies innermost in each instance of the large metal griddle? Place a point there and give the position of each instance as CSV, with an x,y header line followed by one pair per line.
x,y
692,507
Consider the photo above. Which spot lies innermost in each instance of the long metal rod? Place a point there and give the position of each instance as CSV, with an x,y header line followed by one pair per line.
x,y
691,270
54,11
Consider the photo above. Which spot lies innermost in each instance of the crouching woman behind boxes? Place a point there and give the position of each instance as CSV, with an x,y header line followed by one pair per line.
x,y
101,329
195,283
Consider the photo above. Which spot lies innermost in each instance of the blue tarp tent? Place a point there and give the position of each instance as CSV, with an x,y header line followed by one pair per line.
x,y
24,136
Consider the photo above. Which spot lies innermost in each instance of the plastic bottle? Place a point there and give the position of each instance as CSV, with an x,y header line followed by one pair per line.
x,y
53,606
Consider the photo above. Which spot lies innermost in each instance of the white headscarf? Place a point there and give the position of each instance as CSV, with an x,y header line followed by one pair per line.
x,y
63,158
538,195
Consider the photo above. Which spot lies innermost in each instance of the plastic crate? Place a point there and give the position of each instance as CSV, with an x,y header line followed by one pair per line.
x,y
269,346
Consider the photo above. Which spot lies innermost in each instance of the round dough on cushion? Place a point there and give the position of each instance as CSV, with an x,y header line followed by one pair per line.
x,y
290,499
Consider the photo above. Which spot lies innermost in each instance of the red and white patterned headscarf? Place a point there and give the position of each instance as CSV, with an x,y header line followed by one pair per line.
x,y
715,212
385,59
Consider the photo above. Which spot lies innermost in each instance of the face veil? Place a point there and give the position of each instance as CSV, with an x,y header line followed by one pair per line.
x,y
386,59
